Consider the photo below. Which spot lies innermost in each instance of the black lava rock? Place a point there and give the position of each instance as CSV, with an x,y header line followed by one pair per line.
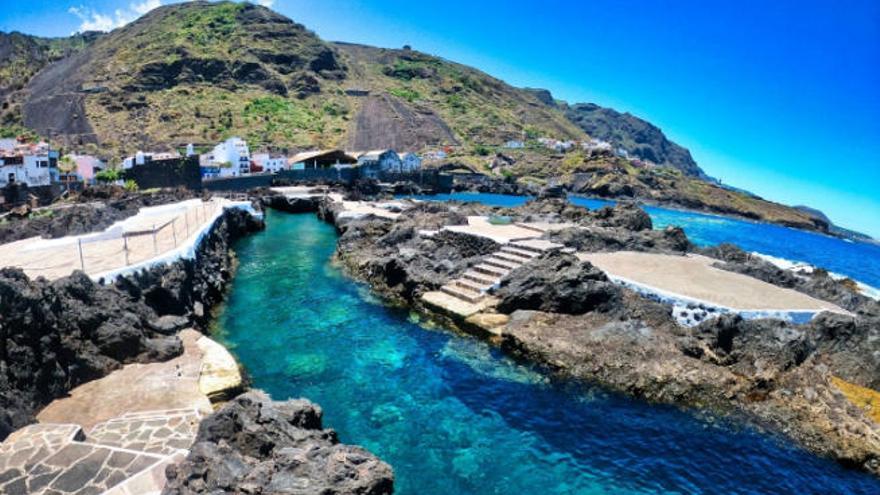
x,y
255,445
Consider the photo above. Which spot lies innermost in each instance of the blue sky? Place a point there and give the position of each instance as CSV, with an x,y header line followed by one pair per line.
x,y
780,97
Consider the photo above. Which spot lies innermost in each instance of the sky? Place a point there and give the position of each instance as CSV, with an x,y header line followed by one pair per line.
x,y
781,98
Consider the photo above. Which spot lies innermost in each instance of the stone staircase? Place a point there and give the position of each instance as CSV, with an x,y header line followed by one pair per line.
x,y
473,284
126,455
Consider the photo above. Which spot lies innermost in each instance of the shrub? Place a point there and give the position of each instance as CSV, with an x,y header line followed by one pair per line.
x,y
108,175
405,93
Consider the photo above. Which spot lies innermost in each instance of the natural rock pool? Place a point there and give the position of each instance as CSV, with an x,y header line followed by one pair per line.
x,y
453,416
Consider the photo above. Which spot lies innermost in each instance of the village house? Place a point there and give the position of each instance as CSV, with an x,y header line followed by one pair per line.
x,y
144,157
231,158
434,156
270,164
410,162
514,144
596,145
320,159
35,168
375,161
87,166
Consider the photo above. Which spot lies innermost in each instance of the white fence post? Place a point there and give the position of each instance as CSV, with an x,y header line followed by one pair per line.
x,y
125,247
82,263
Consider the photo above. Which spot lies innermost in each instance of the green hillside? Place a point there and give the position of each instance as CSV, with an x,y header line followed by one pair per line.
x,y
200,72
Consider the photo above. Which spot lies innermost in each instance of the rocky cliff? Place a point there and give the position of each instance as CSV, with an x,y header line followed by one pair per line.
x,y
638,137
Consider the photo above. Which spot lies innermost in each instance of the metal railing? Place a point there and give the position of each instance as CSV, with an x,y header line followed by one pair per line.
x,y
112,249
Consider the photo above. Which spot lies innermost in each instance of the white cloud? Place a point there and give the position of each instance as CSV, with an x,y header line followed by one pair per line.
x,y
266,3
96,21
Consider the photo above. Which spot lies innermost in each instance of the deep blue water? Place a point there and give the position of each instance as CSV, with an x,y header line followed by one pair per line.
x,y
859,260
453,416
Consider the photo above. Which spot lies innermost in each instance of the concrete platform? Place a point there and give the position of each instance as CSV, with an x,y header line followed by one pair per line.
x,y
503,234
693,278
172,384
124,246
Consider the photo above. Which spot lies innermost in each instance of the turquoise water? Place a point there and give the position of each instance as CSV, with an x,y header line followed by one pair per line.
x,y
858,260
453,416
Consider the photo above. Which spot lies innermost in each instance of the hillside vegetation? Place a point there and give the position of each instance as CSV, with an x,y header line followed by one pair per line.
x,y
199,72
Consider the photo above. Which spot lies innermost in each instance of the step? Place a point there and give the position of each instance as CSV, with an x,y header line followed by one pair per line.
x,y
522,253
471,285
501,263
480,278
461,293
535,245
155,412
492,271
513,258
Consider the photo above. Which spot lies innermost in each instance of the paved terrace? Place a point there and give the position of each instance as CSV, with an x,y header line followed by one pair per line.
x,y
692,278
154,235
116,435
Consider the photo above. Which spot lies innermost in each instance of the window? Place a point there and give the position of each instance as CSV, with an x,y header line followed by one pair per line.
x,y
43,164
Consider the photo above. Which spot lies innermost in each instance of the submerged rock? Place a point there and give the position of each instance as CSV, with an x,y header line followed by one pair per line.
x,y
255,445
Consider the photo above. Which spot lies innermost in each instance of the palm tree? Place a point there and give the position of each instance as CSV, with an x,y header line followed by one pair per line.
x,y
66,164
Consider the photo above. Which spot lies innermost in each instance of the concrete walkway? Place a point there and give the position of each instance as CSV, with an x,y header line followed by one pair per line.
x,y
154,235
693,278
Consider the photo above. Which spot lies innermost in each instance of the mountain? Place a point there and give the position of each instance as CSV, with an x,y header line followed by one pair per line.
x,y
199,72
638,137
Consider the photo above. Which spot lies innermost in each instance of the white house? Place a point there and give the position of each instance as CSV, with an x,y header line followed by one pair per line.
x,y
144,157
39,169
269,163
410,162
514,144
232,157
596,145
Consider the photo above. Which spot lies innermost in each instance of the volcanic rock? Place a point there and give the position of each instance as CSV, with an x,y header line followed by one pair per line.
x,y
254,445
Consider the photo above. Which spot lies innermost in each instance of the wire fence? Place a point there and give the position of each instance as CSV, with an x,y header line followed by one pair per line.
x,y
142,238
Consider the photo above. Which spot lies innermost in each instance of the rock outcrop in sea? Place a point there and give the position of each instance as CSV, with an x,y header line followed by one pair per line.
x,y
255,445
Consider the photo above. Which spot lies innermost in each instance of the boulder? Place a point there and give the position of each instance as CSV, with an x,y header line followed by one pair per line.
x,y
255,445
623,215
219,377
558,283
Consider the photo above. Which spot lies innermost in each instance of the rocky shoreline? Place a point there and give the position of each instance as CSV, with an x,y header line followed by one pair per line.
x,y
60,334
564,314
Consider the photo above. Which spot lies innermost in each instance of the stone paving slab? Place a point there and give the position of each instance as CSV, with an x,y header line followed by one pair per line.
x,y
73,468
164,432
